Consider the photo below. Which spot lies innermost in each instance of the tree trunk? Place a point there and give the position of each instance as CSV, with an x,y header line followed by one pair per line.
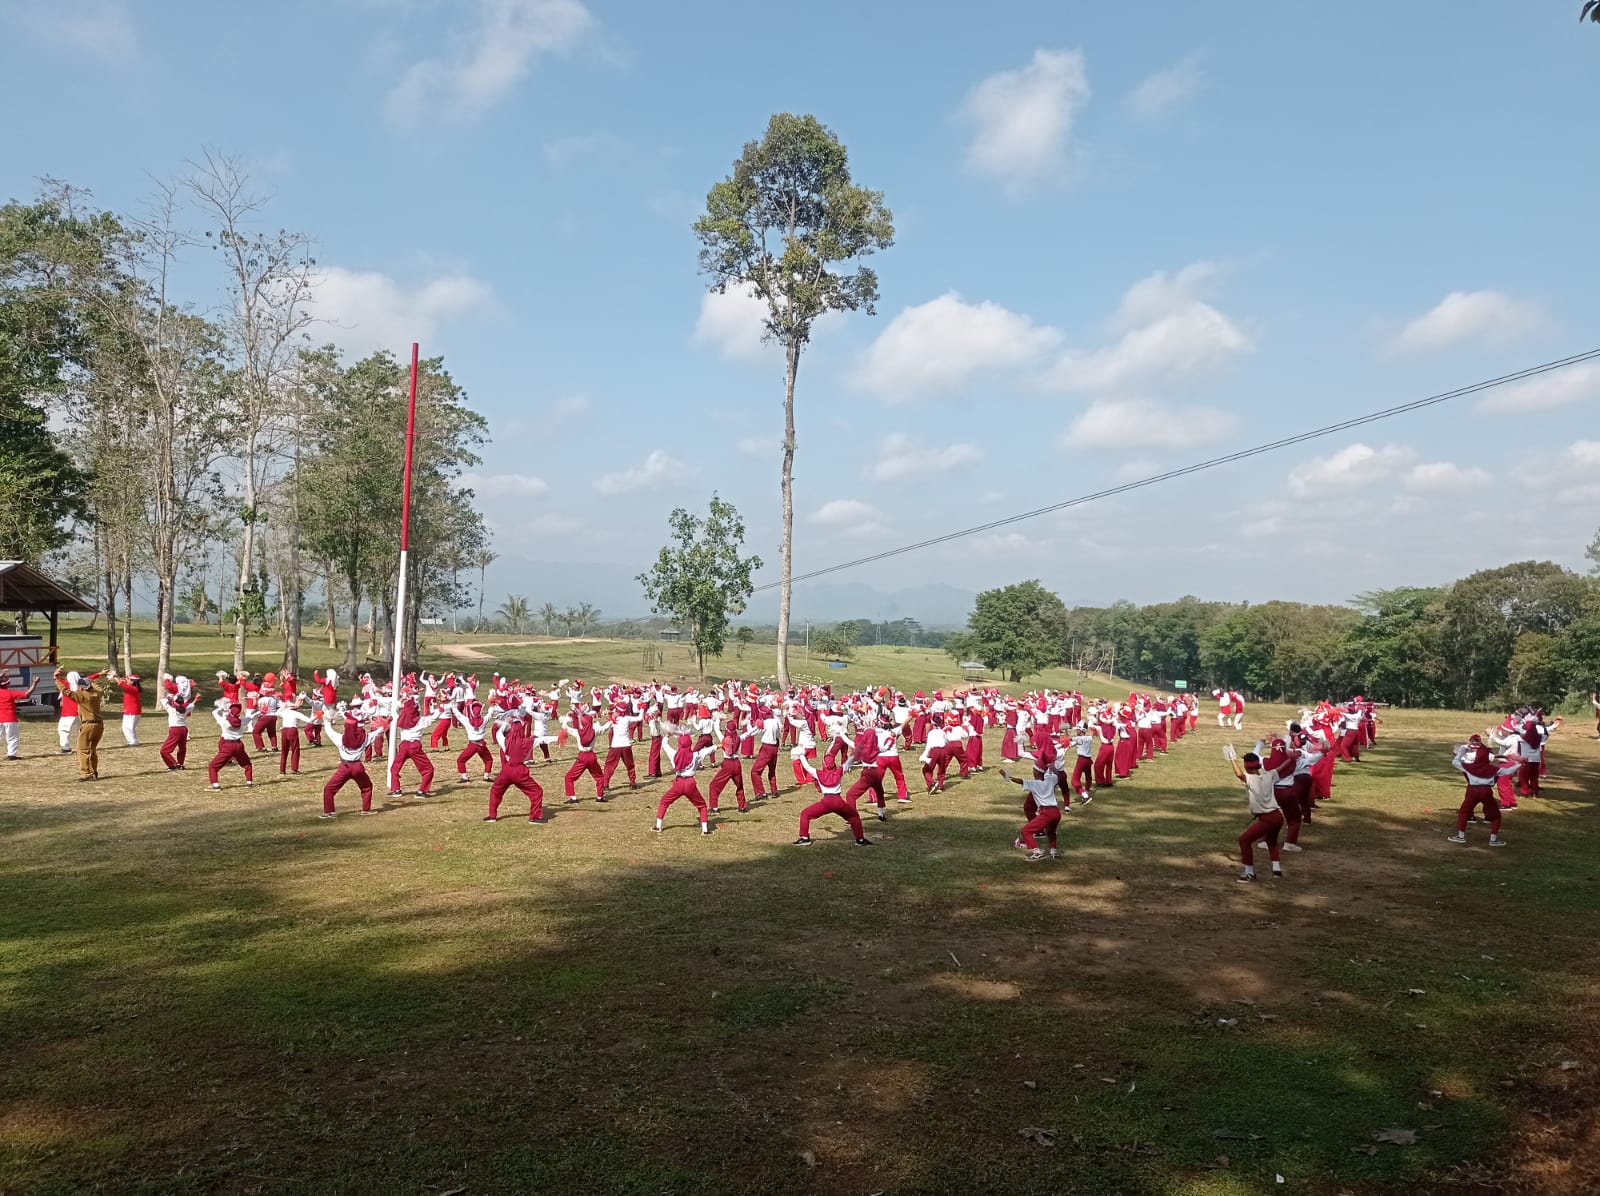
x,y
355,630
787,553
247,554
127,620
483,575
290,595
111,617
332,611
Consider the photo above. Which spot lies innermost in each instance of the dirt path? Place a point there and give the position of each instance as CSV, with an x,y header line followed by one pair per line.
x,y
470,651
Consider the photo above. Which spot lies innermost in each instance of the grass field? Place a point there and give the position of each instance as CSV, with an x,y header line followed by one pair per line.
x,y
216,992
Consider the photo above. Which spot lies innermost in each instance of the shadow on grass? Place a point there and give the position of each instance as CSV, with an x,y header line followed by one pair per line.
x,y
188,1007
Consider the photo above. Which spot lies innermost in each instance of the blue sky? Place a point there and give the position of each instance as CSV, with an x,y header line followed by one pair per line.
x,y
1129,236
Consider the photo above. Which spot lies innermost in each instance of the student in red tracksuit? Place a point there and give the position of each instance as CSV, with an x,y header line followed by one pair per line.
x,y
292,716
1267,817
353,743
830,785
587,762
1280,765
232,723
766,761
470,716
1473,761
175,748
974,744
871,778
620,751
514,772
889,762
1105,731
408,731
327,696
683,785
1045,817
730,770
652,762
1083,762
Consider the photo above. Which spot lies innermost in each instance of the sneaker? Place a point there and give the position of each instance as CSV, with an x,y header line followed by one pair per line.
x,y
463,779
249,784
1496,841
1017,843
656,829
1034,856
367,813
216,785
539,821
904,801
705,828
491,818
1277,874
572,801
864,842
396,793
1458,837
883,815
1292,847
1054,854
803,841
1085,800
328,816
1246,878
715,810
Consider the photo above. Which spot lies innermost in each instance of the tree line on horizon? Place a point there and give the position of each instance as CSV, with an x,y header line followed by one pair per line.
x,y
1524,633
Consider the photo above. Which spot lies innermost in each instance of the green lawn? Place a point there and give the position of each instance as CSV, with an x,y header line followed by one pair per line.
x,y
216,992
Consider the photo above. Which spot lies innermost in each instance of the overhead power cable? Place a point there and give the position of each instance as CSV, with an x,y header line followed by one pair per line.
x,y
1198,467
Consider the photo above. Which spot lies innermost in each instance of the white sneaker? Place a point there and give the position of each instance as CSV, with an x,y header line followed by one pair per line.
x,y
1458,837
1292,847
1496,841
215,785
328,817
1034,856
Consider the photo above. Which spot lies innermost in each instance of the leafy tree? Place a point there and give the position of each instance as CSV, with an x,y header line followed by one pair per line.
x,y
744,636
1019,628
55,264
1486,612
1396,653
514,610
586,614
781,225
483,560
700,579
834,643
855,631
1593,551
1535,673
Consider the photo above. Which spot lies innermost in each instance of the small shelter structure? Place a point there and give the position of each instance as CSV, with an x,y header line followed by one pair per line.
x,y
24,590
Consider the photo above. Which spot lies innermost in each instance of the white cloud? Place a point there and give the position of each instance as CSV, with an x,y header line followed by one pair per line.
x,y
850,517
1143,424
102,28
733,322
1445,477
1477,316
758,447
488,60
1165,90
659,470
368,310
1569,479
1162,294
1560,388
1194,340
492,486
900,457
940,344
1022,119
1353,467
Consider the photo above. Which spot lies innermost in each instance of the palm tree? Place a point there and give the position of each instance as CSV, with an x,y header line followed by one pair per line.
x,y
587,614
551,617
570,618
514,610
483,560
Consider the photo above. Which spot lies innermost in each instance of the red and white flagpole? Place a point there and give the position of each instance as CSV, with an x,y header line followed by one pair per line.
x,y
405,539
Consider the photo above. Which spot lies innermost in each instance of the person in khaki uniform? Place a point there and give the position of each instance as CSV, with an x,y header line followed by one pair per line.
x,y
90,694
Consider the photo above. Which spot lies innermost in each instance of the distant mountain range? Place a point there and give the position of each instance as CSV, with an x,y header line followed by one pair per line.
x,y
615,590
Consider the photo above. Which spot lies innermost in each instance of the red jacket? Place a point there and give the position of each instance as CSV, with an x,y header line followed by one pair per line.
x,y
132,699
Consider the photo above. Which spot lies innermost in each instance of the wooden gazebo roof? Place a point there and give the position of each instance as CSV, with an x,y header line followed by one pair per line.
x,y
24,588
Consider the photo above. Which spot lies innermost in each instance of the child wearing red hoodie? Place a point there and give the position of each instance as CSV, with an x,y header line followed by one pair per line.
x,y
683,785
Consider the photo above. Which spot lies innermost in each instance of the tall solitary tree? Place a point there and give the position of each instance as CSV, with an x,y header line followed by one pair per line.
x,y
783,227
700,579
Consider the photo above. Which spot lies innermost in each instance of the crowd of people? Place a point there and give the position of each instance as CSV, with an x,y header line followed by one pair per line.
x,y
849,748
